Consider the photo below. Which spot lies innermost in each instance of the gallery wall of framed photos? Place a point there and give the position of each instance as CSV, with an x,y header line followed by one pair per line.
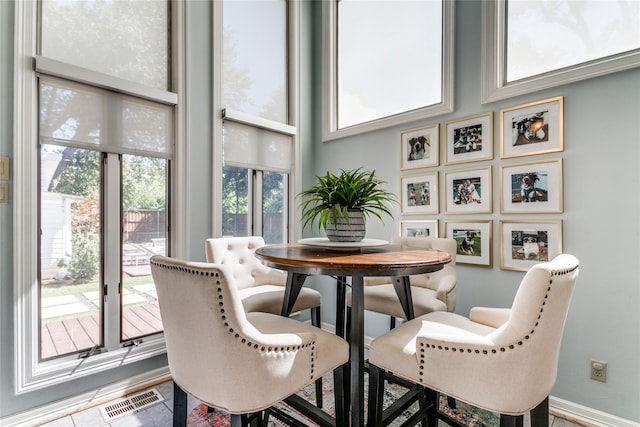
x,y
521,190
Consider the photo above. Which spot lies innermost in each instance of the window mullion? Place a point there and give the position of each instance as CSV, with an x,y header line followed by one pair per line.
x,y
111,251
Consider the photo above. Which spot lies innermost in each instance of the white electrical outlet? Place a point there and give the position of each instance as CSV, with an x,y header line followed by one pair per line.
x,y
598,370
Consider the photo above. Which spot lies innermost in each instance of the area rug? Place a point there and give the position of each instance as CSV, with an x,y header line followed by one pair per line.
x,y
463,413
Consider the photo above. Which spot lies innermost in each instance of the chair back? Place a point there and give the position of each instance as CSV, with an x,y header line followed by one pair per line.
x,y
432,280
514,367
538,315
215,353
239,254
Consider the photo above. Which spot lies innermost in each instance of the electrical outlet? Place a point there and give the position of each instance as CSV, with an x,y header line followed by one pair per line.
x,y
598,370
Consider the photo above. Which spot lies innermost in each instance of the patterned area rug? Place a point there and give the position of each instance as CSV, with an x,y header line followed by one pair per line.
x,y
465,414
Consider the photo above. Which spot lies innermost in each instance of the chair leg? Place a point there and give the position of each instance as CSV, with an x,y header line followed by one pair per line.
x,y
179,406
431,397
511,420
451,402
315,321
376,392
540,414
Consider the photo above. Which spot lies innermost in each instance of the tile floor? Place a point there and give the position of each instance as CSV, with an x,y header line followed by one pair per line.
x,y
160,415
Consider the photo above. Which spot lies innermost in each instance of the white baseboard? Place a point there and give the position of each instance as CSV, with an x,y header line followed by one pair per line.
x,y
584,415
43,414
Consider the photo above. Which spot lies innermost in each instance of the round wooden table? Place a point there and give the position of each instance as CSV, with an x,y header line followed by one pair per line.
x,y
301,261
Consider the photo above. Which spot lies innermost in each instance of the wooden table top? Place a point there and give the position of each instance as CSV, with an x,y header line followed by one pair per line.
x,y
378,260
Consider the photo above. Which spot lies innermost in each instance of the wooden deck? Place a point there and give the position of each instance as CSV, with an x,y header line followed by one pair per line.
x,y
83,332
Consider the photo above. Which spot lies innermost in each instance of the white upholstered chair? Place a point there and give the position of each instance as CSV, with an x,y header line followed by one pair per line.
x,y
261,288
239,362
430,292
501,360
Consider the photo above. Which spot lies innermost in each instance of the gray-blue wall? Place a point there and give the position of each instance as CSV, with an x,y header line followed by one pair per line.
x,y
601,219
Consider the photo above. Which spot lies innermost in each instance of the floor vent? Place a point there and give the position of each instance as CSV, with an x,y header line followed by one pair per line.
x,y
130,404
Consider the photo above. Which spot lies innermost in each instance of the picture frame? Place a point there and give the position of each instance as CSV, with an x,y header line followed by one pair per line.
x,y
525,243
469,139
473,241
420,147
533,128
419,228
531,187
468,191
419,193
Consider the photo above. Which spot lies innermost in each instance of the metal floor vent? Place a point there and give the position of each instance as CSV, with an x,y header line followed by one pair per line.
x,y
130,404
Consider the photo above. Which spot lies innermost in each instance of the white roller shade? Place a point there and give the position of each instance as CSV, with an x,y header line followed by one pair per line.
x,y
83,116
255,148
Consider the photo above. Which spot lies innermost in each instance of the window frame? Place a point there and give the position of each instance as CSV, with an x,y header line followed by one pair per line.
x,y
493,66
31,373
222,113
330,129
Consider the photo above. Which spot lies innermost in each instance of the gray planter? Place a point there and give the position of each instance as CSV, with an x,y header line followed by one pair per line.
x,y
347,231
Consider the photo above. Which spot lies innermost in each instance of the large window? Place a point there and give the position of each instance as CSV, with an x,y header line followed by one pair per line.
x,y
101,132
386,62
258,138
534,45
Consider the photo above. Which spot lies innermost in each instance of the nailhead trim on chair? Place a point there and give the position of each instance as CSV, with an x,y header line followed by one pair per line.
x,y
242,339
493,351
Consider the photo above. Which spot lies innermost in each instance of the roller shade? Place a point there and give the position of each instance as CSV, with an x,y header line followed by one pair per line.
x,y
256,148
84,116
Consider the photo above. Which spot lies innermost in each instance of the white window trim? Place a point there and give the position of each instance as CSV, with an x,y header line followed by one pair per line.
x,y
330,129
494,80
294,180
32,374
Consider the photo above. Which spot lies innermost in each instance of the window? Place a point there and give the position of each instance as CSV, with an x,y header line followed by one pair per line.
x,y
371,79
258,136
96,205
571,41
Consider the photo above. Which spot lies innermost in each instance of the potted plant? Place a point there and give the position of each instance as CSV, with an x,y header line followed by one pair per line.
x,y
342,203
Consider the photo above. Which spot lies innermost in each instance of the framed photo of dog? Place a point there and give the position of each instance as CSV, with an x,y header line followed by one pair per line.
x,y
420,147
531,187
469,139
533,128
468,191
419,228
419,193
526,243
473,241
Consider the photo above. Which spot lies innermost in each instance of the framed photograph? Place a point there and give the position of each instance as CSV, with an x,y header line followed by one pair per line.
x,y
531,187
468,191
419,193
533,128
469,139
473,241
419,228
420,147
526,243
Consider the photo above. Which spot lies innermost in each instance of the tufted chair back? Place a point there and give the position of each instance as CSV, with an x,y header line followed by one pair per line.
x,y
238,253
230,360
442,282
